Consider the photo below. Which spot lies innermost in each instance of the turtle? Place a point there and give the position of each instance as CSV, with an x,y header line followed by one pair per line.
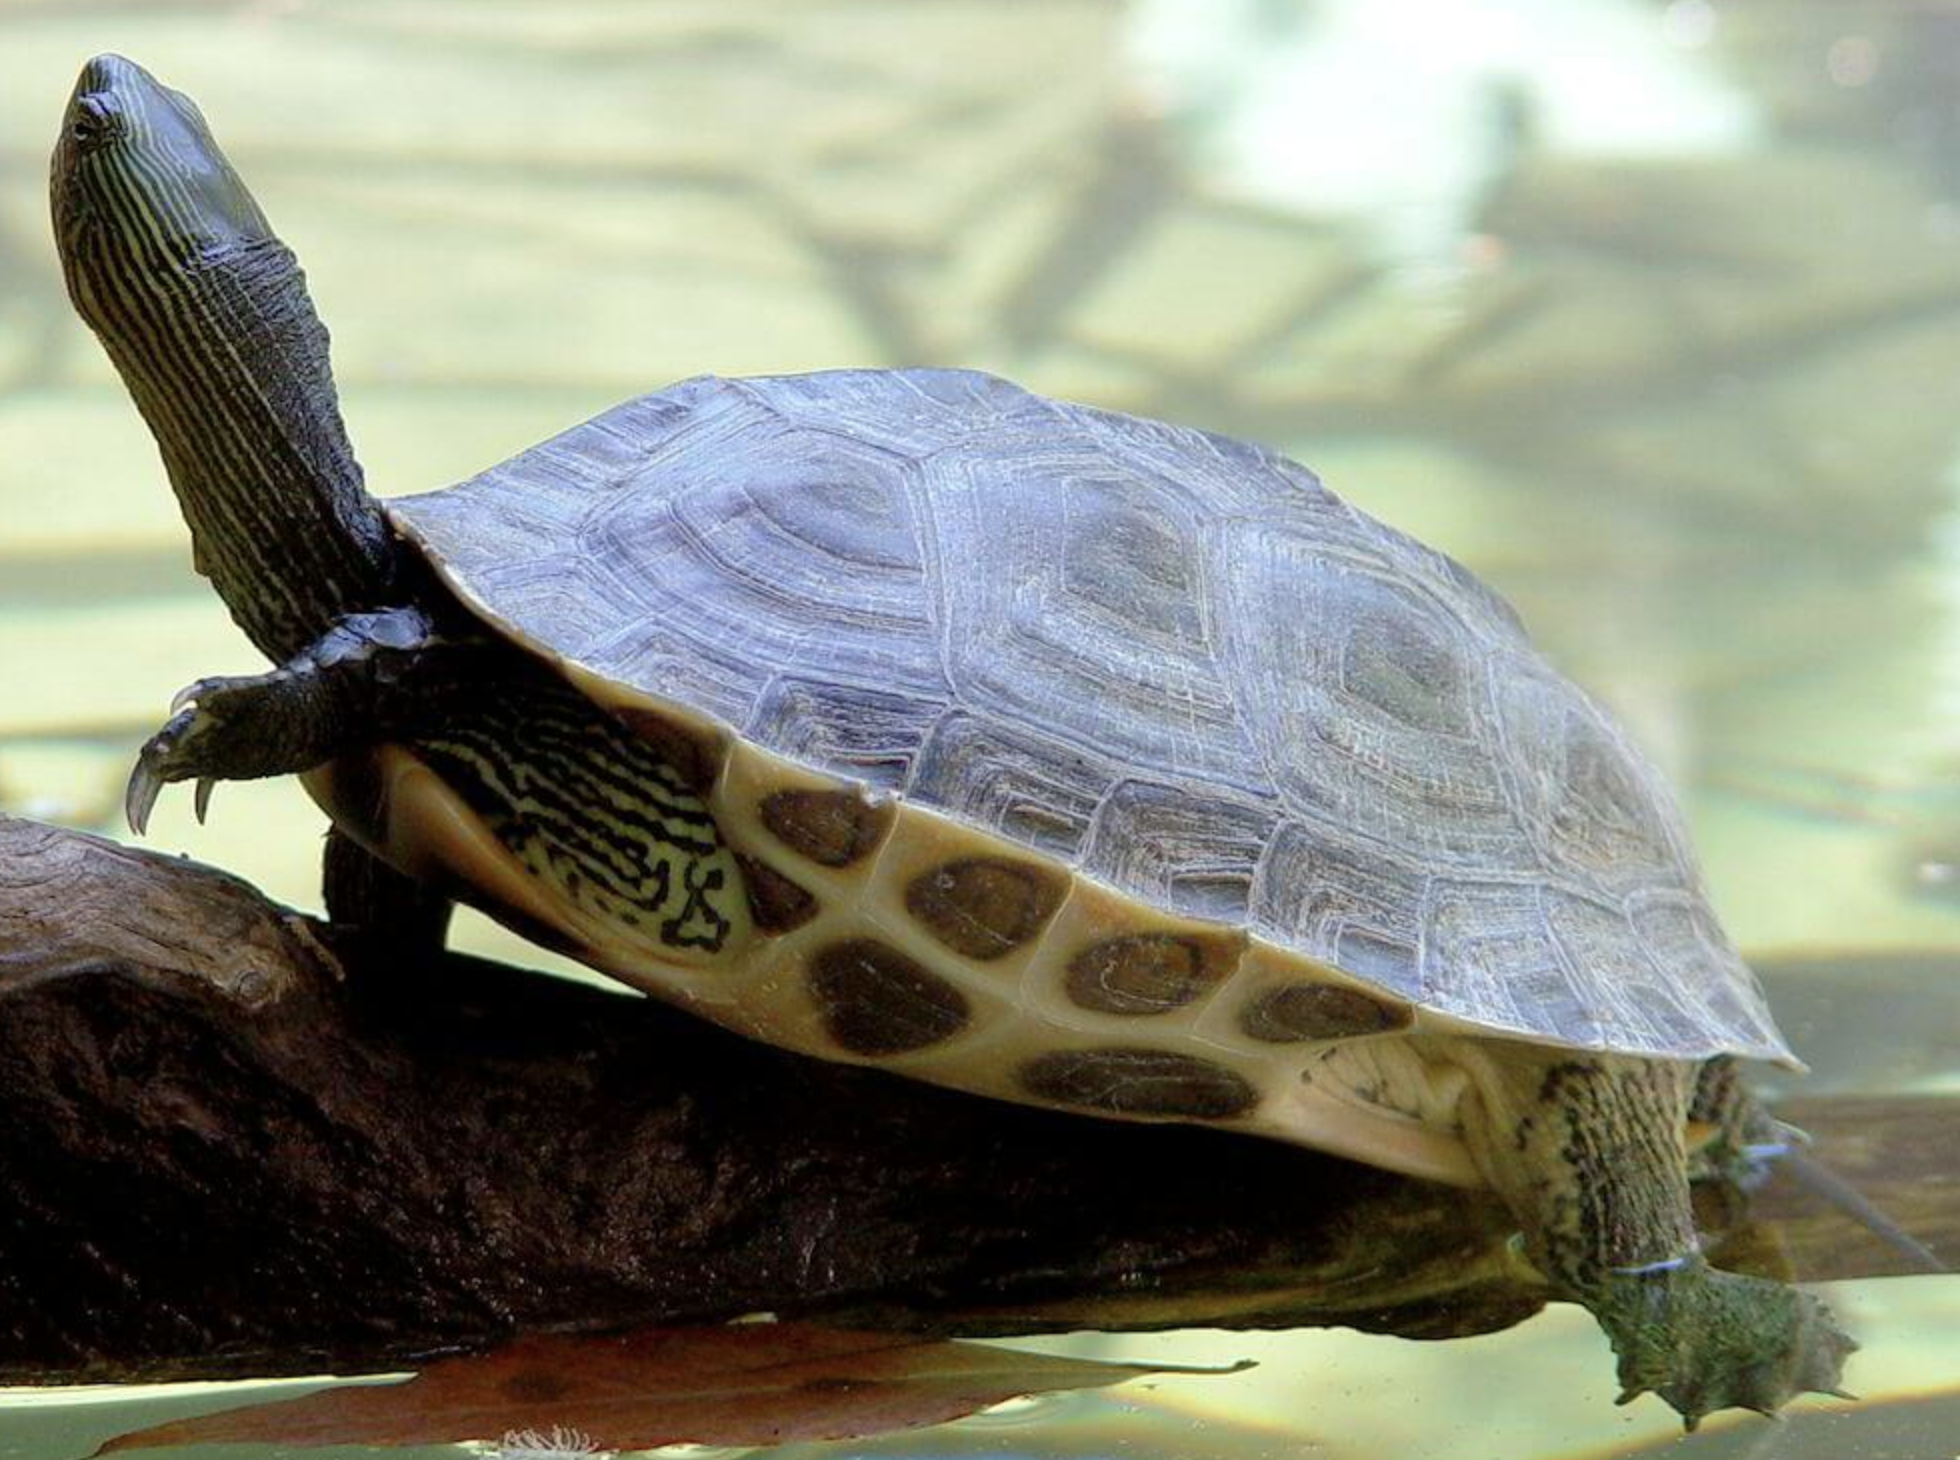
x,y
908,718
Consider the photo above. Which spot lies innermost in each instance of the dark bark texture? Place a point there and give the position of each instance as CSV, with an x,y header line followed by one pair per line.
x,y
226,1149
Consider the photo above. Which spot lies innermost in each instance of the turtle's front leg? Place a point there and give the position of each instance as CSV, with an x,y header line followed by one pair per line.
x,y
341,692
367,679
1590,1151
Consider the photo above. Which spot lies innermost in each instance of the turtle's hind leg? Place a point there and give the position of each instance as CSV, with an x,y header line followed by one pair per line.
x,y
398,921
1591,1153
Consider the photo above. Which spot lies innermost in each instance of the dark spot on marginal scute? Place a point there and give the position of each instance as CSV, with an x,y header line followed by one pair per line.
x,y
876,1001
694,757
1297,1012
985,906
834,828
776,903
1146,973
1125,1081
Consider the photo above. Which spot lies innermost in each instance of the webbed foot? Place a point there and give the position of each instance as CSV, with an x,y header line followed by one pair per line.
x,y
1704,1339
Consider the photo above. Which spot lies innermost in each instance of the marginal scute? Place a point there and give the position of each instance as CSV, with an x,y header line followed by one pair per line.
x,y
876,1001
776,903
985,907
694,758
1297,1012
1138,1081
834,828
1148,973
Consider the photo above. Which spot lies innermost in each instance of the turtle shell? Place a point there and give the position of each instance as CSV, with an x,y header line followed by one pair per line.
x,y
1173,663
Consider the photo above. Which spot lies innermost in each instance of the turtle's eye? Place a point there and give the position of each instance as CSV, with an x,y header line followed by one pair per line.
x,y
93,121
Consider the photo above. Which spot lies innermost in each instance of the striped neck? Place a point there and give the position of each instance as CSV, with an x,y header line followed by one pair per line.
x,y
228,363
171,261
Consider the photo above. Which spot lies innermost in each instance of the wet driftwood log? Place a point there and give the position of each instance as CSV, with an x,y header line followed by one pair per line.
x,y
225,1149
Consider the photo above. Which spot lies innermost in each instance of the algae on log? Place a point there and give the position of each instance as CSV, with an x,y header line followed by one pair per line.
x,y
225,1150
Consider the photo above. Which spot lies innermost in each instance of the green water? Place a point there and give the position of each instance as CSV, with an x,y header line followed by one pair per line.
x,y
1649,312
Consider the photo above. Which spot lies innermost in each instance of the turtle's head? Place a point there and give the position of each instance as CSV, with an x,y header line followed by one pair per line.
x,y
141,191
205,314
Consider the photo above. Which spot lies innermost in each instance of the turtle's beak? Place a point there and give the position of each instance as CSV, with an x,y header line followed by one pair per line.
x,y
138,182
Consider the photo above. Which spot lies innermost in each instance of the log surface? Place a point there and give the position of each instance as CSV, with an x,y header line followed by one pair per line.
x,y
225,1151
226,1148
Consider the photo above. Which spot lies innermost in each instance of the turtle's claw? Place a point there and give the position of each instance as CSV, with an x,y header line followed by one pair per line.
x,y
157,765
230,729
140,797
153,769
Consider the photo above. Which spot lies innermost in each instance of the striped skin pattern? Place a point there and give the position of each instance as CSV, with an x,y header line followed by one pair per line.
x,y
205,314
592,809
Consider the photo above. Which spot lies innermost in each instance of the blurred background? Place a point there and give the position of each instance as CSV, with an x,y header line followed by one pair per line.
x,y
1649,310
